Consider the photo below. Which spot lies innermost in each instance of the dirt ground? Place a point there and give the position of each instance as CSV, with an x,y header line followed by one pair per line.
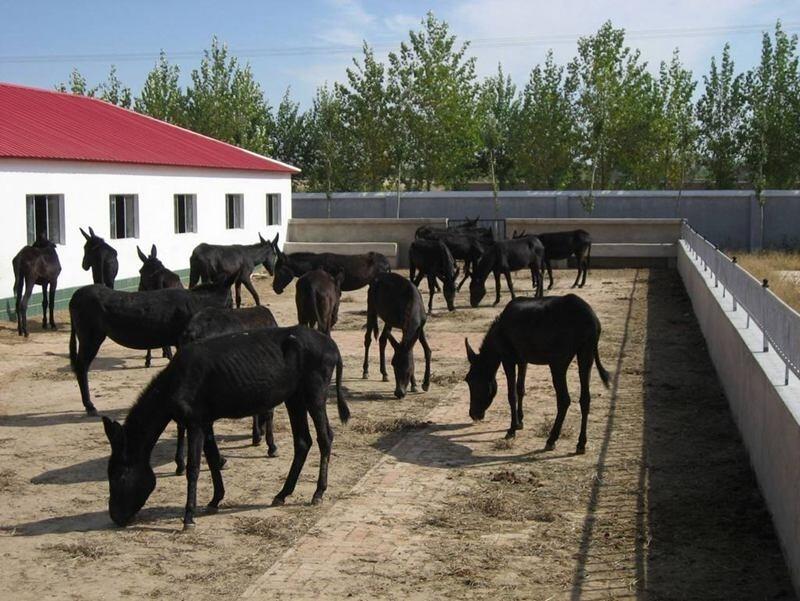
x,y
662,506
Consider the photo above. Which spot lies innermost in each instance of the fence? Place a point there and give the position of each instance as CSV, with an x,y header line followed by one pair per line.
x,y
779,323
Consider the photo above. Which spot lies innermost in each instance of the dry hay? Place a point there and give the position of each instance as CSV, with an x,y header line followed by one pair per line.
x,y
383,426
546,425
80,550
771,265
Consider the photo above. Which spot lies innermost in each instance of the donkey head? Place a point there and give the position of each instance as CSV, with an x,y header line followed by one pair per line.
x,y
482,385
130,477
477,290
284,273
403,366
91,248
150,267
271,252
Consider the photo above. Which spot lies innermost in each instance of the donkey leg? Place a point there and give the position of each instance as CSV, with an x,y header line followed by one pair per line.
x,y
44,306
510,284
325,441
214,461
559,374
52,304
466,274
166,352
196,439
180,451
497,287
585,263
148,358
298,418
426,349
387,329
268,420
256,438
252,290
511,379
18,287
367,342
431,291
549,269
88,345
24,305
237,287
585,358
522,370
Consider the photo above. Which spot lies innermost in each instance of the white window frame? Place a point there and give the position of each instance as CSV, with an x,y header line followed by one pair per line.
x,y
129,214
273,209
234,211
53,210
189,224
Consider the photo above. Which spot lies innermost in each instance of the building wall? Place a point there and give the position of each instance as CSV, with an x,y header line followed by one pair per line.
x,y
86,188
731,218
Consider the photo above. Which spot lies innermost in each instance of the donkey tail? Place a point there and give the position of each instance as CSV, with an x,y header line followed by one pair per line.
x,y
73,346
341,404
604,375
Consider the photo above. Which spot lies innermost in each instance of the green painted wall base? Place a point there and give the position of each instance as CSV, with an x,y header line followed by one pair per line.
x,y
63,295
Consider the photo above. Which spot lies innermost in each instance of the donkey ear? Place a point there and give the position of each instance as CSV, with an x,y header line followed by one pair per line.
x,y
261,238
153,252
471,356
85,235
91,231
275,241
142,256
113,431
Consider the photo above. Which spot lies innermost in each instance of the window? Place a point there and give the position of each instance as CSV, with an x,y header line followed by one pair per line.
x,y
273,209
45,217
234,211
124,209
185,213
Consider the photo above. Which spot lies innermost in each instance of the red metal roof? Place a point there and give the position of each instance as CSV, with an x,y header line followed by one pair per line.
x,y
44,124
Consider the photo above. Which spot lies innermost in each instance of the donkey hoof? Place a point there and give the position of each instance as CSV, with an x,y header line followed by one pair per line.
x,y
91,411
272,452
180,470
385,378
549,446
255,442
189,526
426,386
364,375
317,500
511,434
212,509
278,502
414,388
223,463
520,426
580,450
53,326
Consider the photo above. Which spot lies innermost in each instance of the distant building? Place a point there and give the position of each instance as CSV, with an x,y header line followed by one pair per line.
x,y
70,161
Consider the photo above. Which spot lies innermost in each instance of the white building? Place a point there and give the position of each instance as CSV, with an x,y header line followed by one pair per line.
x,y
68,162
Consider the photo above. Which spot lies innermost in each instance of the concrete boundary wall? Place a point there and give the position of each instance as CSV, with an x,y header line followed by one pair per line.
x,y
766,410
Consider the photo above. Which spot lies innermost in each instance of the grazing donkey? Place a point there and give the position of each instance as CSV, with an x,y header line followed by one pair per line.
x,y
465,245
503,258
154,276
359,270
434,260
37,264
101,258
138,320
226,377
211,261
545,331
398,303
317,295
563,245
216,321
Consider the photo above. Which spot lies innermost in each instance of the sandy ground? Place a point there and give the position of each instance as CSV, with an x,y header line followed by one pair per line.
x,y
662,506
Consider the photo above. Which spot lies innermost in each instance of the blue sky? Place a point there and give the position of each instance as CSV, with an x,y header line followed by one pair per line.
x,y
516,33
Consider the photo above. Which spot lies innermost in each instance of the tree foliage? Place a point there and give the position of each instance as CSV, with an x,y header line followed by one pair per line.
x,y
161,95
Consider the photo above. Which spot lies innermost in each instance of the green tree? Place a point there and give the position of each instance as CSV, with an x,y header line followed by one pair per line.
x,y
438,83
678,129
719,116
617,107
161,95
289,135
771,131
76,85
546,138
327,164
225,102
498,113
114,91
365,107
